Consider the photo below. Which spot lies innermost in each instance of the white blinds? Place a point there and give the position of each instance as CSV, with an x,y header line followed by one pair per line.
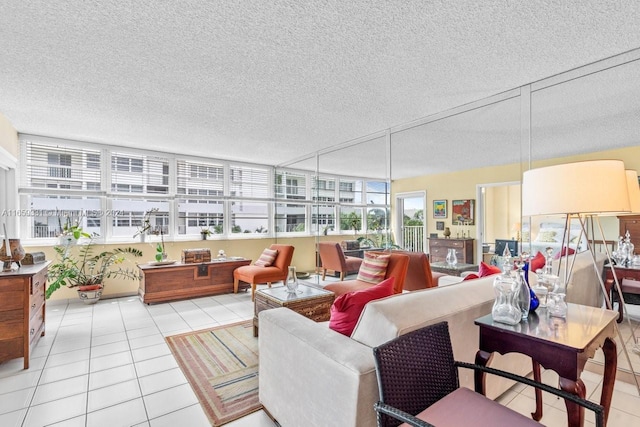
x,y
135,173
200,178
60,167
249,182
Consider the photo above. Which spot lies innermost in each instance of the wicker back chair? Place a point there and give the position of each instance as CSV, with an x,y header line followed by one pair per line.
x,y
418,376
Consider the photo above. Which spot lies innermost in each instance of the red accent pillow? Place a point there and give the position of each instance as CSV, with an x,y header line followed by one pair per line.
x,y
564,252
488,270
346,309
537,262
470,277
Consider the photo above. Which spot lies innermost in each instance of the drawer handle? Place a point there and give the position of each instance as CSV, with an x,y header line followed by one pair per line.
x,y
32,331
33,305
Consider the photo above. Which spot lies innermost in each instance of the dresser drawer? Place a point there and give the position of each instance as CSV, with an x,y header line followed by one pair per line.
x,y
38,282
11,324
35,326
35,304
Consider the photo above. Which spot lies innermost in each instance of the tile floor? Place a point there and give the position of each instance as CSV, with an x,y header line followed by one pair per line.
x,y
108,365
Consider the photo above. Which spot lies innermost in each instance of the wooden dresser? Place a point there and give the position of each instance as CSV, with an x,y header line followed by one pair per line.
x,y
22,311
438,248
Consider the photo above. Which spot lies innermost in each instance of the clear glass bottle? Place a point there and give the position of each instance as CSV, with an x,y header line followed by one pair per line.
x,y
292,280
452,258
524,295
505,286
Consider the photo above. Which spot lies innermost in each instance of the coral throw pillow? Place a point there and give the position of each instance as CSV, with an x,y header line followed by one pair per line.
x,y
346,309
564,252
537,262
488,270
470,277
266,258
373,267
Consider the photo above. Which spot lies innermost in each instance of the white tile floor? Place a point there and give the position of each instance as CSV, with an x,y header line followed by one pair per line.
x,y
108,365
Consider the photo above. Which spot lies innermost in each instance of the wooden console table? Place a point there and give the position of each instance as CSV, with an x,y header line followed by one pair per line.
x,y
160,283
562,345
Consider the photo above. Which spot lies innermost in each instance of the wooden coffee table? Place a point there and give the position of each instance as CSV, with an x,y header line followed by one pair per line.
x,y
309,301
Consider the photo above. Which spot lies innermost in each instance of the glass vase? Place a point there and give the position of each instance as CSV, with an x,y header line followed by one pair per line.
x,y
292,280
452,258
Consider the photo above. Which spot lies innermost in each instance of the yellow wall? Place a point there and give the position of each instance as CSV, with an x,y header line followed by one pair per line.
x,y
462,185
8,136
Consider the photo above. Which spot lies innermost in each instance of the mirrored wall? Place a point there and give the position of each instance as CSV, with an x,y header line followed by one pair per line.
x,y
473,153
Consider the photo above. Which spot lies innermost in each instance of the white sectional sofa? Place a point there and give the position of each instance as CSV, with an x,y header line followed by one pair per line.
x,y
313,376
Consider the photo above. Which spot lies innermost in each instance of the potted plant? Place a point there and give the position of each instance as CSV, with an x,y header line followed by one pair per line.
x,y
70,232
205,232
146,226
87,270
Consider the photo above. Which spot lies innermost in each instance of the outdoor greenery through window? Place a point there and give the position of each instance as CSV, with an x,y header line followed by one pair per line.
x,y
112,192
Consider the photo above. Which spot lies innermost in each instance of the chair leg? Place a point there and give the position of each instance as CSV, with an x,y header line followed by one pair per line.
x,y
324,273
253,292
235,285
269,284
341,275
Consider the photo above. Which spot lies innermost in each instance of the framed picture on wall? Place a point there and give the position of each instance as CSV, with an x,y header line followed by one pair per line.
x,y
463,212
439,226
439,208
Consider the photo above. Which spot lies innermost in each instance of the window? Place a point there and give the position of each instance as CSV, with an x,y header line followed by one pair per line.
x,y
109,193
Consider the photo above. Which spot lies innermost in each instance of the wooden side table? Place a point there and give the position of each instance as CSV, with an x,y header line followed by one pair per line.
x,y
314,303
562,345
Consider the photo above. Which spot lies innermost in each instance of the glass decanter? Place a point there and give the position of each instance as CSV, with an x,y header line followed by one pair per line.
x,y
452,258
292,280
547,279
527,299
505,286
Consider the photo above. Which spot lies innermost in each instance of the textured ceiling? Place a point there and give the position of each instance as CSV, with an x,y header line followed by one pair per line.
x,y
268,82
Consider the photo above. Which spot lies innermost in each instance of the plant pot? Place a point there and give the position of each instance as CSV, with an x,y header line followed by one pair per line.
x,y
90,294
204,236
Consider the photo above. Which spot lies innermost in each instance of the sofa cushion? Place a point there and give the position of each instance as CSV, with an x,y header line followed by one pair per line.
x,y
487,270
346,309
373,267
537,262
266,257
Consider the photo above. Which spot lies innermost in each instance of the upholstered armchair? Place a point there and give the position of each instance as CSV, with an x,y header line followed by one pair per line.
x,y
333,258
419,274
254,274
398,264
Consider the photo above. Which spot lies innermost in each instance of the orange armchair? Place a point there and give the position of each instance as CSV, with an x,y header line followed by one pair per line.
x,y
254,274
398,265
333,258
419,274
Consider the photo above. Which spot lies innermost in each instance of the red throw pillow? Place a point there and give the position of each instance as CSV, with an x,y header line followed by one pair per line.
x,y
564,252
537,262
470,277
488,270
346,309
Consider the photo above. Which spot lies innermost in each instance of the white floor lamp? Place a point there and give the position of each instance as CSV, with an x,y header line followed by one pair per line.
x,y
577,191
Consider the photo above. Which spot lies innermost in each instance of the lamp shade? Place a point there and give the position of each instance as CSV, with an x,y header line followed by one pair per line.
x,y
590,187
634,191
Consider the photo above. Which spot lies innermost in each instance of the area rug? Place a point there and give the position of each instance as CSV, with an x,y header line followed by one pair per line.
x,y
221,365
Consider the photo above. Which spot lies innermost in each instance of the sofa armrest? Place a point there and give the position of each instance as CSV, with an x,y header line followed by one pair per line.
x,y
302,361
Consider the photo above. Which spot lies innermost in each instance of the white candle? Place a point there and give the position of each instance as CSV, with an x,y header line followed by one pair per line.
x,y
6,236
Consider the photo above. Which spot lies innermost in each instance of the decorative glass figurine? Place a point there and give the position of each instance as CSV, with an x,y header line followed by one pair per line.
x,y
452,258
527,299
292,280
505,286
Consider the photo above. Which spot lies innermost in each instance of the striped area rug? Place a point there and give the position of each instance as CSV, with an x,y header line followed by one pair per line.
x,y
221,365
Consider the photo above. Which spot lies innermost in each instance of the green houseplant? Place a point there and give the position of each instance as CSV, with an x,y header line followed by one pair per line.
x,y
87,269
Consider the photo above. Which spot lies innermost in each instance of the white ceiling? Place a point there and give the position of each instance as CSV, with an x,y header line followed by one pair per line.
x,y
271,81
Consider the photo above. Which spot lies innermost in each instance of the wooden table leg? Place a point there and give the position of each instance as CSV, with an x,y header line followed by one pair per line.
x,y
610,365
482,359
538,378
575,412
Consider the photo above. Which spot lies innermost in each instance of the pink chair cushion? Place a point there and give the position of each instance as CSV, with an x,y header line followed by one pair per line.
x,y
346,309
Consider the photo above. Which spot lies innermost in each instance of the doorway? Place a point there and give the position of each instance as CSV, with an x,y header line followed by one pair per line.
x,y
410,221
